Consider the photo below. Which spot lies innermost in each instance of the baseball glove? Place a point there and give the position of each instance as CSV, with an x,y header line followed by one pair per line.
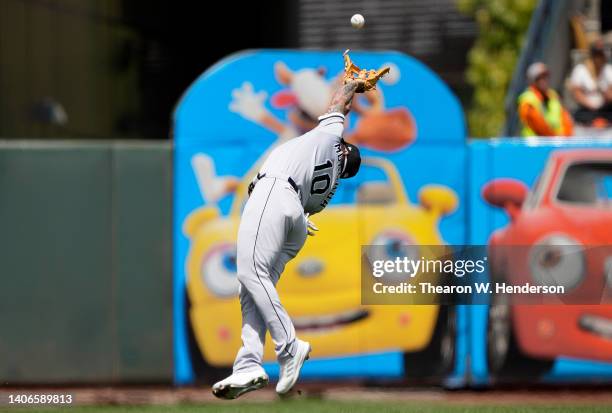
x,y
367,78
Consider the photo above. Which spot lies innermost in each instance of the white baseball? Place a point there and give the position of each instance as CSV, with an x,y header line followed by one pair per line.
x,y
357,21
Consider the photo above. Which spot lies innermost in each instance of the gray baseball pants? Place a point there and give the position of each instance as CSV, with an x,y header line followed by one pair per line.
x,y
271,232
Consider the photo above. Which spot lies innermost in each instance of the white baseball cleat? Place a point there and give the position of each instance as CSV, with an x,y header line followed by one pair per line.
x,y
238,384
290,368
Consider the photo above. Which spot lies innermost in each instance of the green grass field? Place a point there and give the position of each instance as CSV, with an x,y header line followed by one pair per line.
x,y
319,406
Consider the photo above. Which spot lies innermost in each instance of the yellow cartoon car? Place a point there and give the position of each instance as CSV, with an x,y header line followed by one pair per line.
x,y
321,287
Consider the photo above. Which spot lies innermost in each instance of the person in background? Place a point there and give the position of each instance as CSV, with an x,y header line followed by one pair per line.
x,y
540,109
591,87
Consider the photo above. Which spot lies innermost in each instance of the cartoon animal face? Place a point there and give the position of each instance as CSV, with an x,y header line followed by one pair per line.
x,y
306,96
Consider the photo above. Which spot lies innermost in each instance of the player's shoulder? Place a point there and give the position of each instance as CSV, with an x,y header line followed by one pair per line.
x,y
331,123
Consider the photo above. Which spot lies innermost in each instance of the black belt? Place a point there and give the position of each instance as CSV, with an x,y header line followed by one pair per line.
x,y
293,184
261,176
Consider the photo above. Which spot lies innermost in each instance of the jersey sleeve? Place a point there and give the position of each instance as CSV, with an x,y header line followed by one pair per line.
x,y
332,123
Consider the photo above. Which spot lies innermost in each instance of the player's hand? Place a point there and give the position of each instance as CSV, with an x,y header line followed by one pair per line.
x,y
311,228
247,103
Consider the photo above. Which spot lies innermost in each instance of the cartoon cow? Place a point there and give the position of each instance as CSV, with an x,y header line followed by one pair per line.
x,y
306,96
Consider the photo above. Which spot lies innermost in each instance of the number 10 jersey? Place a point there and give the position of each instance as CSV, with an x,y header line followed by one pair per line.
x,y
314,161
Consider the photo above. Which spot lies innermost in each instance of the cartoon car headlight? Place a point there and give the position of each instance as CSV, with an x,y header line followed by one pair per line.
x,y
219,271
557,260
389,245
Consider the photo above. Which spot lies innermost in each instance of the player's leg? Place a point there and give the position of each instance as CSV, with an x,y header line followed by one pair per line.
x,y
291,364
284,235
247,375
261,236
268,224
250,355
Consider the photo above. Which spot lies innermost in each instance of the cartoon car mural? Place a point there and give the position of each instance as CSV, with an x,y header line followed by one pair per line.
x,y
557,234
321,287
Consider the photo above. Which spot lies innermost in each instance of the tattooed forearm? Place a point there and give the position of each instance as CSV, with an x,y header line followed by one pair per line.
x,y
341,101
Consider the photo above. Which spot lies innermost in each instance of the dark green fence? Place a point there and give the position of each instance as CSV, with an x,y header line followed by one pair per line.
x,y
85,262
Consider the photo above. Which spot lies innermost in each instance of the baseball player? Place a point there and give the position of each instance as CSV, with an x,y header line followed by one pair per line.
x,y
297,179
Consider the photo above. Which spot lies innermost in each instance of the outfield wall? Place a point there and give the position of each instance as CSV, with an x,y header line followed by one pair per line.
x,y
85,253
86,275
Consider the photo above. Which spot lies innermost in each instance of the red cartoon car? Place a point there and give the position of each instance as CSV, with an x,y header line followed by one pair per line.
x,y
560,233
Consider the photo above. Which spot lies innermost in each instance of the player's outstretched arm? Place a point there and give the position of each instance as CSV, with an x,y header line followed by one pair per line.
x,y
343,97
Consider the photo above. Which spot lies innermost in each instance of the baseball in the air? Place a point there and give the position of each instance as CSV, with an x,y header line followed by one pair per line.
x,y
357,21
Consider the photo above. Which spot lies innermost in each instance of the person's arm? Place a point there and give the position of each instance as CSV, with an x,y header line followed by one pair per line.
x,y
581,98
577,79
342,99
534,120
332,121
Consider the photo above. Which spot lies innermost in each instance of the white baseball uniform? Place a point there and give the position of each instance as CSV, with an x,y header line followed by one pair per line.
x,y
298,177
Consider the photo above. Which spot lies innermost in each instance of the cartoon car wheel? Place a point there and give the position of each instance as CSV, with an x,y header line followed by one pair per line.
x,y
505,359
438,358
